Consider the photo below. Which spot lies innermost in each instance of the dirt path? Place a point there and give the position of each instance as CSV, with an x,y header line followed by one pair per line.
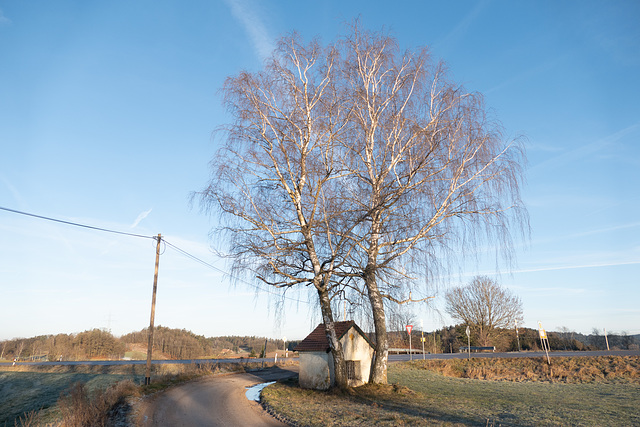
x,y
213,401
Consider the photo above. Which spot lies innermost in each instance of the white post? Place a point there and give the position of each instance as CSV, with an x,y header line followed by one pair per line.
x,y
469,341
422,338
606,339
410,352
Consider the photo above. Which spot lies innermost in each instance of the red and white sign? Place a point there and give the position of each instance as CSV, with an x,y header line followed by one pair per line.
x,y
409,328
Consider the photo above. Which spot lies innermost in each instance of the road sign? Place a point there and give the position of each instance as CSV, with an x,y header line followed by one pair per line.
x,y
409,328
468,331
542,332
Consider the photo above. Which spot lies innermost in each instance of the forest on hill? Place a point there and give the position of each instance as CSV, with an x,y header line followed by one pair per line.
x,y
168,343
183,344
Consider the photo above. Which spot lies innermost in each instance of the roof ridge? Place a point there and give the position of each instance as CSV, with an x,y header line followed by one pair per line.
x,y
317,339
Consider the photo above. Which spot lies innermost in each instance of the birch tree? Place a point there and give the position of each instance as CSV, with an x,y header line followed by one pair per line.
x,y
429,172
273,179
354,168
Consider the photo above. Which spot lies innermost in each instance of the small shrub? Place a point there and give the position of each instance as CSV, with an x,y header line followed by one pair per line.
x,y
82,408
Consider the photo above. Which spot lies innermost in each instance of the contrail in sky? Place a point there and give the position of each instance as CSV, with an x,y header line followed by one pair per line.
x,y
245,12
140,217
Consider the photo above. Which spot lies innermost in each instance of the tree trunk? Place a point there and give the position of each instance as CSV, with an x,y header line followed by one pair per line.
x,y
379,365
339,365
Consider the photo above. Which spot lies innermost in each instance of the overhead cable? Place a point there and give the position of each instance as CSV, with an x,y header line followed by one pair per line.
x,y
77,224
193,257
206,264
182,251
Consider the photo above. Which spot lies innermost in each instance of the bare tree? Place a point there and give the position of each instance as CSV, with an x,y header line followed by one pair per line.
x,y
596,339
353,168
567,336
429,172
273,180
485,306
19,350
399,316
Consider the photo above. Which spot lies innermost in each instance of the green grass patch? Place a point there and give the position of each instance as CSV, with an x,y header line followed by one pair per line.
x,y
525,403
419,396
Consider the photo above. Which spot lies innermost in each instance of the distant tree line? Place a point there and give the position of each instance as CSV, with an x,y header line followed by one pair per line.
x,y
91,344
183,344
101,344
451,338
176,343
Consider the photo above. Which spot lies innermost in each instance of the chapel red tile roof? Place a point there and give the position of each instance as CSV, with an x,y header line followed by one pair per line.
x,y
317,340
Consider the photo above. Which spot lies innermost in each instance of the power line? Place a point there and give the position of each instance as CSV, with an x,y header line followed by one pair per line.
x,y
206,264
181,251
77,224
193,257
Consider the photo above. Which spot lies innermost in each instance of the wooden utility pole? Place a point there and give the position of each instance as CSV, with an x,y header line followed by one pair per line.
x,y
147,377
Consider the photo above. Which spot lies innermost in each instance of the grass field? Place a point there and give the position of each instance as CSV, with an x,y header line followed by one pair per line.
x,y
419,395
24,391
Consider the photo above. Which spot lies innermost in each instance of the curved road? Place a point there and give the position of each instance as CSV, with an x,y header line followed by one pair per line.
x,y
213,401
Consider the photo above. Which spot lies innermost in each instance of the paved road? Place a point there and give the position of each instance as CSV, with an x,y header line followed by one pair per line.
x,y
405,357
213,401
142,362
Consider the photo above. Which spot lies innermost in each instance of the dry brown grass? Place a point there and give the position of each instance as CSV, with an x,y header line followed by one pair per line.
x,y
80,407
609,369
29,419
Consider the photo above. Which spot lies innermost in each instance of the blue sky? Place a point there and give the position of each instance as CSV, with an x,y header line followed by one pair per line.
x,y
106,118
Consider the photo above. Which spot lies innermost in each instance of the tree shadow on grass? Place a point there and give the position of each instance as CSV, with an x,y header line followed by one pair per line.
x,y
403,402
376,404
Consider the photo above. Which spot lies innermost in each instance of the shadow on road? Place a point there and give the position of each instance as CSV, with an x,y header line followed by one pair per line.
x,y
275,373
